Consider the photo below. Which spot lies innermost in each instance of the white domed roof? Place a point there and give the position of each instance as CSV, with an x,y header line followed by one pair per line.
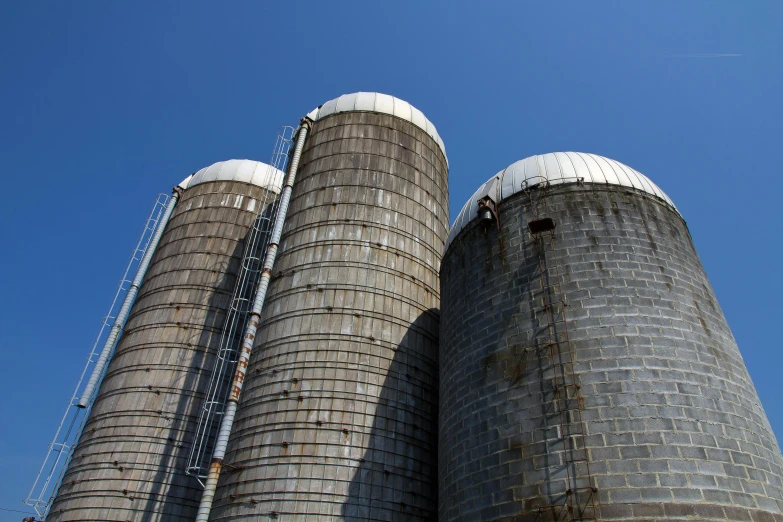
x,y
382,103
557,168
245,171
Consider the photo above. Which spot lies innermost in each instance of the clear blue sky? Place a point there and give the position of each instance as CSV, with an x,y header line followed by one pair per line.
x,y
105,104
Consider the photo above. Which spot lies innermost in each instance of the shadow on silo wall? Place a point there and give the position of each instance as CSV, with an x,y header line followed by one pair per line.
x,y
397,478
175,494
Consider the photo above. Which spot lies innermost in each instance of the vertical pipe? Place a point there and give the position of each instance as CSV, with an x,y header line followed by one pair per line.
x,y
122,316
250,333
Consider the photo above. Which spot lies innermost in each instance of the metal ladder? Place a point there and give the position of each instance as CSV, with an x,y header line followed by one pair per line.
x,y
71,425
222,370
566,399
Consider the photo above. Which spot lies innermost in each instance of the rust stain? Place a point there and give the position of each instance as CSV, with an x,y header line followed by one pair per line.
x,y
506,364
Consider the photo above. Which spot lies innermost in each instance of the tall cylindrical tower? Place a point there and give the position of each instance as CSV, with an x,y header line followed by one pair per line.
x,y
587,370
130,461
338,412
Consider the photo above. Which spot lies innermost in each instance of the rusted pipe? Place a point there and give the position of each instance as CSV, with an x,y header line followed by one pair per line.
x,y
130,297
227,422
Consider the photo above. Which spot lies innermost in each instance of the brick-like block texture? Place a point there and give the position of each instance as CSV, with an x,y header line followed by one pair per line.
x,y
673,424
129,464
338,414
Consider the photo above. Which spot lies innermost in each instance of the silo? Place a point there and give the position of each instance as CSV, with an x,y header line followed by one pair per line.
x,y
338,413
587,370
130,461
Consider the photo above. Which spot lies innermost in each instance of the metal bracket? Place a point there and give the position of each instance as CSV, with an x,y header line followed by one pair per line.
x,y
487,211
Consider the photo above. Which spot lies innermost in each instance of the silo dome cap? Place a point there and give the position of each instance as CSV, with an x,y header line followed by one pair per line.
x,y
381,103
556,168
245,171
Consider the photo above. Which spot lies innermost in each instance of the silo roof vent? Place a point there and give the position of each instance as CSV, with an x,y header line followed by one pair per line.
x,y
245,171
556,168
381,103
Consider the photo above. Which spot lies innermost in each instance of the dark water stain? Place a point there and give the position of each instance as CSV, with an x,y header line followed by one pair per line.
x,y
646,223
701,319
710,297
509,364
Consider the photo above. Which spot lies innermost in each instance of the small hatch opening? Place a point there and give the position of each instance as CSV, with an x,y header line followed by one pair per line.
x,y
541,225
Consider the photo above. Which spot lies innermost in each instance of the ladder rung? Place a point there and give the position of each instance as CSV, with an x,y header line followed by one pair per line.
x,y
591,489
559,387
565,399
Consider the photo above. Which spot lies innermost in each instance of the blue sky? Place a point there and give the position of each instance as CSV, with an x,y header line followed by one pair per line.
x,y
103,105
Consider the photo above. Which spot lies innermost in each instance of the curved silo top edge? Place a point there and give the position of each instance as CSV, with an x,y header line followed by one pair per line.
x,y
558,168
382,104
243,171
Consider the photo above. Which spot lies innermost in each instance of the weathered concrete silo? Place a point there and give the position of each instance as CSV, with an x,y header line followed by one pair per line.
x,y
337,418
587,370
130,461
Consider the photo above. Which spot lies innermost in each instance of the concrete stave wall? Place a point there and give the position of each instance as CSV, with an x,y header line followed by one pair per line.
x,y
338,414
145,412
674,427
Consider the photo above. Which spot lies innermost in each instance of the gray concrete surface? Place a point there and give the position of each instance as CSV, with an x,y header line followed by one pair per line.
x,y
673,424
129,464
338,415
